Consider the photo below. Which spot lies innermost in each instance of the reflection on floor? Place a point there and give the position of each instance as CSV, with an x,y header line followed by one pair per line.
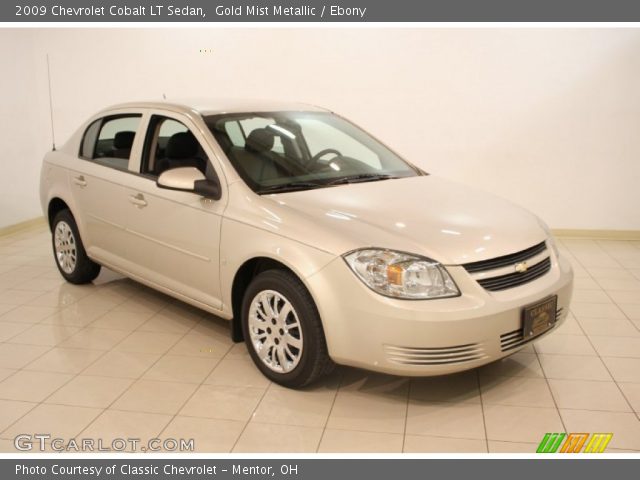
x,y
118,360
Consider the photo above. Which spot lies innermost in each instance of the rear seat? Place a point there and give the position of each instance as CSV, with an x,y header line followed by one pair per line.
x,y
122,143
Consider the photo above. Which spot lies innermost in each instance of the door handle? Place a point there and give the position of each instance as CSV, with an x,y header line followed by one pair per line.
x,y
80,181
138,200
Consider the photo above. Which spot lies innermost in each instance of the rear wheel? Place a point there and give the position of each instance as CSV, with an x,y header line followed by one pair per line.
x,y
283,331
71,258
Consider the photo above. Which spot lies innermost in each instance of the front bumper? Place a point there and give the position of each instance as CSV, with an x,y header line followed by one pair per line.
x,y
429,337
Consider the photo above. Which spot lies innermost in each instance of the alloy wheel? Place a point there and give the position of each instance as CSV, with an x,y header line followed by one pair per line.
x,y
65,247
275,331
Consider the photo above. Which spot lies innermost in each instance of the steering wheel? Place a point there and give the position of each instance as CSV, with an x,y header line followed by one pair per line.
x,y
322,153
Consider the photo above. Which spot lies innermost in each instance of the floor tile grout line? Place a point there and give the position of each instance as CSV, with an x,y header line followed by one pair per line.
x,y
610,297
42,402
8,340
596,242
35,404
133,382
113,347
264,393
589,274
603,335
546,379
333,402
342,429
141,377
484,418
308,426
256,388
637,414
406,414
583,379
105,352
198,387
613,379
80,329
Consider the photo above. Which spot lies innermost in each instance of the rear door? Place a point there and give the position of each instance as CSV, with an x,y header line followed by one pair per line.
x,y
107,146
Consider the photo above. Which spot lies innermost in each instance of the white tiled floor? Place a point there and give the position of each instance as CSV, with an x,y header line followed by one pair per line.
x,y
116,359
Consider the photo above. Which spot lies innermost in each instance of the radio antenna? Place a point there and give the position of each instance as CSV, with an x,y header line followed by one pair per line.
x,y
53,136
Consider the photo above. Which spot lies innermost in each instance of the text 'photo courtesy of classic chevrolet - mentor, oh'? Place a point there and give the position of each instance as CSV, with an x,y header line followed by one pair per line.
x,y
319,243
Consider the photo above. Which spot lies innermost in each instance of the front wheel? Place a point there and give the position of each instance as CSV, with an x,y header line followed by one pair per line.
x,y
71,258
283,331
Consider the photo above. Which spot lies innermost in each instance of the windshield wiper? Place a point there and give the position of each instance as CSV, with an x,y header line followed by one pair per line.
x,y
290,187
364,177
295,186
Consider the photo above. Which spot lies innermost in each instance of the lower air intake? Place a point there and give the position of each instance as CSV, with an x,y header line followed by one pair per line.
x,y
435,355
515,338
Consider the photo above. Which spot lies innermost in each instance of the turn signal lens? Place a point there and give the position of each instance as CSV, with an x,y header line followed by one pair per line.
x,y
394,274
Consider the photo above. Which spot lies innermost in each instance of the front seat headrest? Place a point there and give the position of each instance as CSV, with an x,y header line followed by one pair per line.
x,y
182,145
260,140
123,139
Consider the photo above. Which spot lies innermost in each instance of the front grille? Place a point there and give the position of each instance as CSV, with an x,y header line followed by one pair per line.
x,y
516,279
506,260
499,273
435,355
515,338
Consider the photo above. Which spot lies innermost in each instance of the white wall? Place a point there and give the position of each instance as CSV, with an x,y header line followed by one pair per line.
x,y
21,139
549,118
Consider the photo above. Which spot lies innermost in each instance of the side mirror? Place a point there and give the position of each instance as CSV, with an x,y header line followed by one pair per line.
x,y
189,179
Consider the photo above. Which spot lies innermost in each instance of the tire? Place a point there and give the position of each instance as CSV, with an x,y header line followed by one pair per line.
x,y
272,292
68,251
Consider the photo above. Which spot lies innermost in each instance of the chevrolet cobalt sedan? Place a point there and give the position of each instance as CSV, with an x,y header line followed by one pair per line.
x,y
318,243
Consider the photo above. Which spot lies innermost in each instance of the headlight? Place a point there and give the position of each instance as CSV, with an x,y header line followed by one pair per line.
x,y
400,275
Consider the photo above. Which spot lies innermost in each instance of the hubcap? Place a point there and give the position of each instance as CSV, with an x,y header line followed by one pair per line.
x,y
65,247
275,331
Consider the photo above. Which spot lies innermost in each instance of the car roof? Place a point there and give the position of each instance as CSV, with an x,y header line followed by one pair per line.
x,y
205,106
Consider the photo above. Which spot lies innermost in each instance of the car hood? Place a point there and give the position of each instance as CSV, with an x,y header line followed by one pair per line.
x,y
443,220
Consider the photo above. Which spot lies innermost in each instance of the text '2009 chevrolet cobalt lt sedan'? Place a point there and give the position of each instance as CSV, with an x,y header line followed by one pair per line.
x,y
319,243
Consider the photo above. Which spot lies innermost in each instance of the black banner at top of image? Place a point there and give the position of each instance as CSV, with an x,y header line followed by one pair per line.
x,y
320,11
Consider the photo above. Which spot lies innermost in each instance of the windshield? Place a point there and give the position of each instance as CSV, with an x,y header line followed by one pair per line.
x,y
286,151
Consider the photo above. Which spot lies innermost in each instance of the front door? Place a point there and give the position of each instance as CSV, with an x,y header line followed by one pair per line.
x,y
174,236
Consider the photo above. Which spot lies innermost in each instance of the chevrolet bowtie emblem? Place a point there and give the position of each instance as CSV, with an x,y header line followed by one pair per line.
x,y
521,267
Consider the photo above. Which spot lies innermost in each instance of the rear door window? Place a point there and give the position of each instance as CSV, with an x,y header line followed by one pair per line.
x,y
108,141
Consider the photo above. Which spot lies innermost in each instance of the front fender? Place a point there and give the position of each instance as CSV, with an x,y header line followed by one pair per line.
x,y
240,242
